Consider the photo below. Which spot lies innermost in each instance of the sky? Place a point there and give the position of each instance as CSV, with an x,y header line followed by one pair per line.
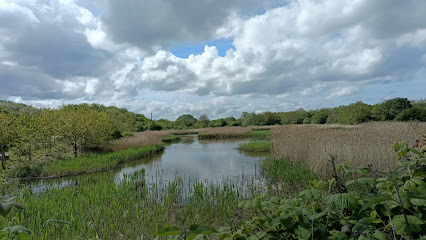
x,y
218,58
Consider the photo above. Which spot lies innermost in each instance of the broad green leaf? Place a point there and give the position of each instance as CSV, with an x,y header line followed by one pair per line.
x,y
302,233
200,229
342,201
377,200
337,235
17,229
401,226
311,194
379,235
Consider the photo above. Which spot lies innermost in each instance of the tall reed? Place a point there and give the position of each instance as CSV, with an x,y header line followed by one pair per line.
x,y
363,144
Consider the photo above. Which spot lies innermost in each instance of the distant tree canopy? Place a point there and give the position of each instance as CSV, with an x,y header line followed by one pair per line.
x,y
186,121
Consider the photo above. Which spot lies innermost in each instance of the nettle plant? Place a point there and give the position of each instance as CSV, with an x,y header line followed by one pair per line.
x,y
354,204
15,231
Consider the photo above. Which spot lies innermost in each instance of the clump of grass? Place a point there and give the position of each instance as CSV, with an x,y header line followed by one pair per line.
x,y
362,144
91,163
255,147
171,138
291,176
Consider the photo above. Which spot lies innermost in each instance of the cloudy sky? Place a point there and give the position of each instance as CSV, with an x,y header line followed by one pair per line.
x,y
214,57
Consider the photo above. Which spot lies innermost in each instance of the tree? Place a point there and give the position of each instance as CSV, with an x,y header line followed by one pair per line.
x,y
320,116
354,113
186,120
203,121
390,108
271,118
84,128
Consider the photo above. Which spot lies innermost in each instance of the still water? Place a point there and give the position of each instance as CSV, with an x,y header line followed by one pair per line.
x,y
191,159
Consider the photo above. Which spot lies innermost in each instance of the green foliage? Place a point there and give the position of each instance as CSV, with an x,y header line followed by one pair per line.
x,y
355,113
154,127
411,114
294,117
186,121
255,147
320,116
389,109
17,231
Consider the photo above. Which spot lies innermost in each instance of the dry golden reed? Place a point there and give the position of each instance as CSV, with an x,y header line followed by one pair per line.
x,y
363,144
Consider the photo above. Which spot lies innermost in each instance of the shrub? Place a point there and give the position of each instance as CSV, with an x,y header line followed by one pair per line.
x,y
411,114
320,116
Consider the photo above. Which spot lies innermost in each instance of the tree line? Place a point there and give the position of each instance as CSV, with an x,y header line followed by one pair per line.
x,y
396,109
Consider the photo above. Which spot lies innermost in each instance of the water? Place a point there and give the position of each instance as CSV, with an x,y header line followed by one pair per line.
x,y
194,160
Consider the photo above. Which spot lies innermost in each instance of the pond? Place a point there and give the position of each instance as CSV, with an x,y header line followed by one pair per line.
x,y
206,161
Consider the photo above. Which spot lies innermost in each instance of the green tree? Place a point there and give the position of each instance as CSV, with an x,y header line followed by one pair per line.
x,y
320,116
186,120
390,108
84,128
294,117
203,121
354,113
271,118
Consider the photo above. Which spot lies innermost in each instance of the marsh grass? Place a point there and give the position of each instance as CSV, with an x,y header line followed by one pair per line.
x,y
286,178
255,147
363,144
99,208
171,138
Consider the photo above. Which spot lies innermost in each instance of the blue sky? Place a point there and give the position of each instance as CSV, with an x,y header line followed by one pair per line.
x,y
183,50
218,58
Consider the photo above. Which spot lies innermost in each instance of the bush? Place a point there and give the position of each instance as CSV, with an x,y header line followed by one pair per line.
x,y
411,114
307,121
116,134
390,108
320,116
127,134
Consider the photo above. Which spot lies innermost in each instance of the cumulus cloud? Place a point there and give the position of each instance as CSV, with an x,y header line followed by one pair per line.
x,y
286,55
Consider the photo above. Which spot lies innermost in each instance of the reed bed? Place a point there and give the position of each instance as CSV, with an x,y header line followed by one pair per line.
x,y
97,162
255,147
363,144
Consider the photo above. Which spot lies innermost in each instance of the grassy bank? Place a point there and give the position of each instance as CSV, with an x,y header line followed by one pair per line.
x,y
88,163
255,147
363,144
171,138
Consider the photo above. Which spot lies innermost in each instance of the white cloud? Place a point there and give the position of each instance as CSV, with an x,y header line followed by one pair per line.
x,y
308,53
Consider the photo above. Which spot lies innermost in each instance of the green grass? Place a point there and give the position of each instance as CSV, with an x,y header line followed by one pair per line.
x,y
255,147
171,138
259,133
291,175
87,163
98,208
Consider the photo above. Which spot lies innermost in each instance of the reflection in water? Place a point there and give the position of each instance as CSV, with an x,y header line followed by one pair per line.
x,y
210,161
